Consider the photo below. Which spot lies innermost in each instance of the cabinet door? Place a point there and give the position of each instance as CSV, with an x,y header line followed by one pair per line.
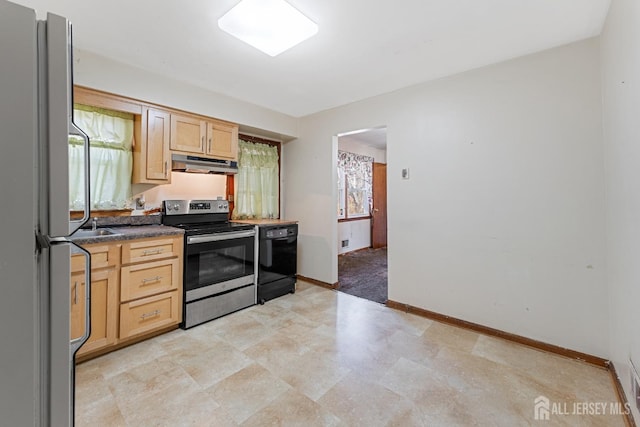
x,y
157,148
104,308
77,304
188,134
222,141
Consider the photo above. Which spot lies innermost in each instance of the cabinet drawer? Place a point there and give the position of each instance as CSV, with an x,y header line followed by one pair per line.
x,y
147,314
149,278
102,256
77,263
151,249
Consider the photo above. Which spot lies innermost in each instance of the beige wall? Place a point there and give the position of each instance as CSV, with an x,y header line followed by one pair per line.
x,y
502,221
184,186
621,101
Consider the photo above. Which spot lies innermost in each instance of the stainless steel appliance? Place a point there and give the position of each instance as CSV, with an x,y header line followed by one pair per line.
x,y
194,164
37,356
219,261
277,267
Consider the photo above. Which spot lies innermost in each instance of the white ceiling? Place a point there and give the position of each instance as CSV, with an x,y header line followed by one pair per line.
x,y
363,48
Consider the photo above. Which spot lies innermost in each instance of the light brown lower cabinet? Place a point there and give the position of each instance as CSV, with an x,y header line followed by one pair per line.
x,y
77,304
131,297
150,313
104,308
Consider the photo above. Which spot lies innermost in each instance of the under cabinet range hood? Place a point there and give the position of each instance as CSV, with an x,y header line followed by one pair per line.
x,y
194,164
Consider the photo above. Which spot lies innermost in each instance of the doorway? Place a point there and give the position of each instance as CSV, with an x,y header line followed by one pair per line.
x,y
362,214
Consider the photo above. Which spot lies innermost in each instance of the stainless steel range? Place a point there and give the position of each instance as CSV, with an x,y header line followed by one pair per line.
x,y
220,269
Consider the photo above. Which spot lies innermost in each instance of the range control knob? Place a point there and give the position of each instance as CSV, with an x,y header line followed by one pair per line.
x,y
176,206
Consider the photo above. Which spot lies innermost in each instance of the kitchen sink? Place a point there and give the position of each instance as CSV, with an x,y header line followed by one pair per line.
x,y
95,233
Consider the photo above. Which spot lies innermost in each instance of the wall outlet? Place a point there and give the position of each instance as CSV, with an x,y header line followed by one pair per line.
x,y
140,202
345,243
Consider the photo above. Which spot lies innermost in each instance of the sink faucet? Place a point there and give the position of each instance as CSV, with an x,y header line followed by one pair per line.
x,y
94,224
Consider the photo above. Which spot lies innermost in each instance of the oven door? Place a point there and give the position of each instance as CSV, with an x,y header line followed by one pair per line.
x,y
216,263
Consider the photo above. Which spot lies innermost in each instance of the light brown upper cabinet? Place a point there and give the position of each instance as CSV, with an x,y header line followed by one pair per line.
x,y
222,140
151,155
195,135
188,134
159,130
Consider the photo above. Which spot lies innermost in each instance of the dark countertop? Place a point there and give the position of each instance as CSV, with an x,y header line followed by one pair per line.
x,y
128,232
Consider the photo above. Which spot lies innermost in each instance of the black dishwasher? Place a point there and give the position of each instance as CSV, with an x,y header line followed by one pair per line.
x,y
277,268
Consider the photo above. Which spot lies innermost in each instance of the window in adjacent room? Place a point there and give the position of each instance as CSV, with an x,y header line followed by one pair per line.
x,y
111,138
355,184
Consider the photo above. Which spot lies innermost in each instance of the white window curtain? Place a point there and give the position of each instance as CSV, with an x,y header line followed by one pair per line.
x,y
256,184
355,183
111,138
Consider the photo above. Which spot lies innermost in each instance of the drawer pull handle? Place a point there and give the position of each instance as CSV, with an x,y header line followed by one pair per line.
x,y
146,315
147,252
75,292
151,279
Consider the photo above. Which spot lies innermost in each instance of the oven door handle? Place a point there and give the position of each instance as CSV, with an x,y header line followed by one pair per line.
x,y
192,240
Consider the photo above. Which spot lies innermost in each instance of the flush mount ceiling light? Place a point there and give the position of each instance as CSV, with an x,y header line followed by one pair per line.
x,y
271,26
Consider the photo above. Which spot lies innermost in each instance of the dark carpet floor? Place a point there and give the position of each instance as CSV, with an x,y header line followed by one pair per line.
x,y
363,273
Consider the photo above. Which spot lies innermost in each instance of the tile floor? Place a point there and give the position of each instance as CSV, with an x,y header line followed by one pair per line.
x,y
324,358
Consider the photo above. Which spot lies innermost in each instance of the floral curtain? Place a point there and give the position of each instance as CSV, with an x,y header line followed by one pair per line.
x,y
355,181
257,182
111,138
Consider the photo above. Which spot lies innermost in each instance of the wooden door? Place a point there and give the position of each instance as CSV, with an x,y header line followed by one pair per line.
x,y
188,134
379,211
157,153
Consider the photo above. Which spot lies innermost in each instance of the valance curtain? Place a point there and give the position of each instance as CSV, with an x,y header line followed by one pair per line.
x,y
257,182
355,182
111,138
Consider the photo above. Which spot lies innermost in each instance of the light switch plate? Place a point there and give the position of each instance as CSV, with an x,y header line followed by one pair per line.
x,y
405,173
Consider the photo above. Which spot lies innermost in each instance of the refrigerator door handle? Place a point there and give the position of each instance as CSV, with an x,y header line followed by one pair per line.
x,y
75,130
76,343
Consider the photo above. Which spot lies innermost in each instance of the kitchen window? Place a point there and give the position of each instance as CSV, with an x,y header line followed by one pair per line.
x,y
111,139
355,183
257,183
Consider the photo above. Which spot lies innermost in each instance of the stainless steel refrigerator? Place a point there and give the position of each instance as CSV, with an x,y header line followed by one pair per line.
x,y
36,350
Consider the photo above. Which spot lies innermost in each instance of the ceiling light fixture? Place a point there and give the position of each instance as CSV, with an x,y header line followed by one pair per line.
x,y
271,26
